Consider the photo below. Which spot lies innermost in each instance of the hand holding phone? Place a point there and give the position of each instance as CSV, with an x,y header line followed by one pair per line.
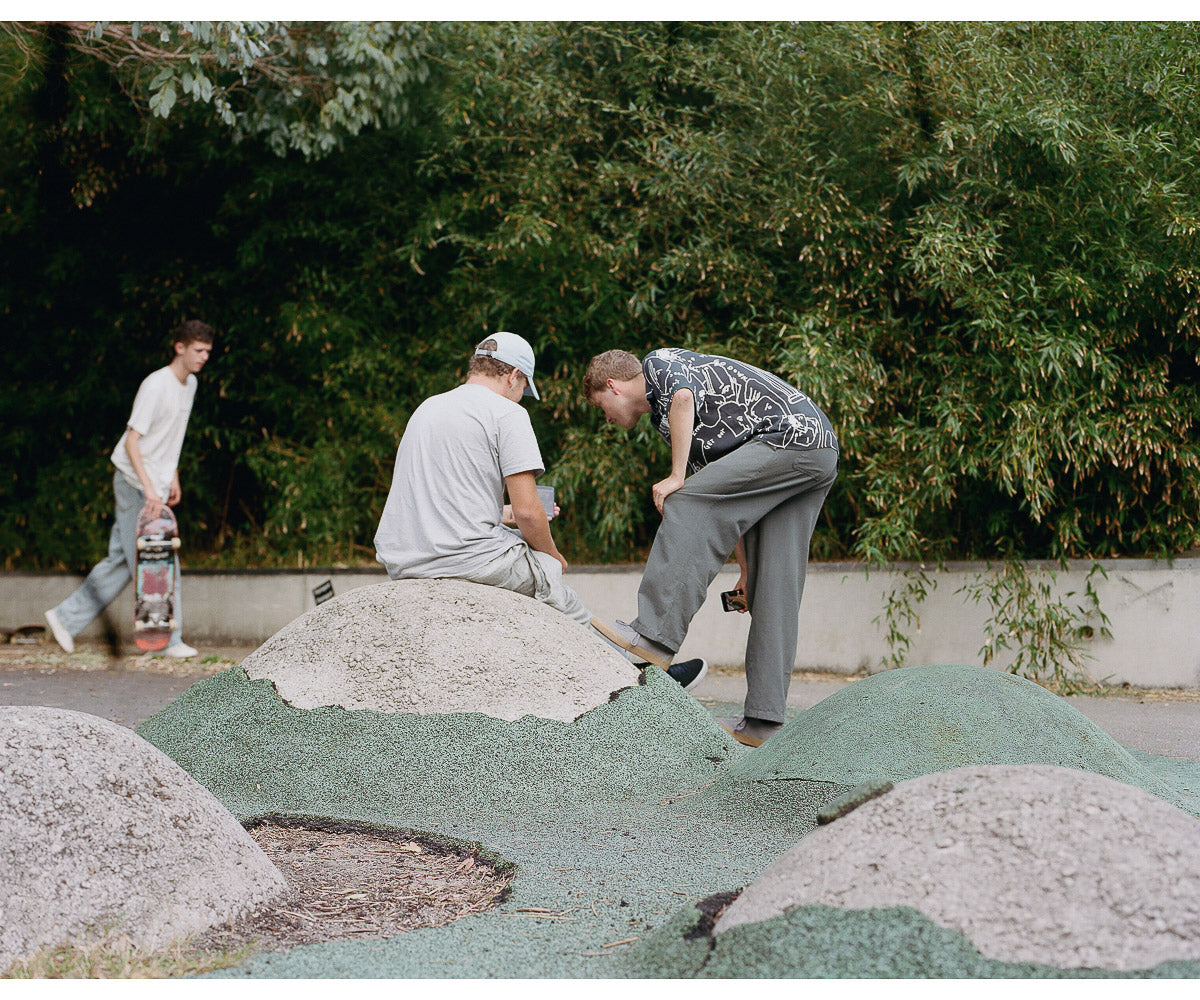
x,y
734,600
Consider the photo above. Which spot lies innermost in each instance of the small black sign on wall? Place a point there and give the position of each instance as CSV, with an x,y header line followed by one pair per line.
x,y
322,592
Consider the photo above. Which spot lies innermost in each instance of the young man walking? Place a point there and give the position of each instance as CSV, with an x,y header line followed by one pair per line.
x,y
445,516
147,471
762,457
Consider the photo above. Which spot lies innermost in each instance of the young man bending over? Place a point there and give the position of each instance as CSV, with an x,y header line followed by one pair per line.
x,y
752,460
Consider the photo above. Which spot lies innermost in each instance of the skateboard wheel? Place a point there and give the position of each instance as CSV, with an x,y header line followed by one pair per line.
x,y
174,543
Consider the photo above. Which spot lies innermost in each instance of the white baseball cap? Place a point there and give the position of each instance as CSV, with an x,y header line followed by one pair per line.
x,y
512,350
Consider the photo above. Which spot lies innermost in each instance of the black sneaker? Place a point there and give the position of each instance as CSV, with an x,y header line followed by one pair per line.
x,y
689,673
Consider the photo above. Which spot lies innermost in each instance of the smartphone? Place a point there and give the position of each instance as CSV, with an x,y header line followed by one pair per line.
x,y
733,600
547,495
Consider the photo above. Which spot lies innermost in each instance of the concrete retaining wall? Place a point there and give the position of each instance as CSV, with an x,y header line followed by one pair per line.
x,y
1152,606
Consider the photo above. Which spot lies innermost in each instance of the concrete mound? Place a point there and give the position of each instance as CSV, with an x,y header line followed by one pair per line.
x,y
439,647
917,720
1033,864
100,830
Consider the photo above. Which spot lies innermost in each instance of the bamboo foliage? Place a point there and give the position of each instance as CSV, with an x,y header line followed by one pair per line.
x,y
974,245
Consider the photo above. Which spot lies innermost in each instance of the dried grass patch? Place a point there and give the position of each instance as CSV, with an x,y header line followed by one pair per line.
x,y
112,955
93,657
346,884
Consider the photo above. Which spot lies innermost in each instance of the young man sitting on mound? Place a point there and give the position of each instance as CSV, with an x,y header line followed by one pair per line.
x,y
445,516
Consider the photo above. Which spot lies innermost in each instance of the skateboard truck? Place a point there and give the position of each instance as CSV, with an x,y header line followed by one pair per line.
x,y
153,542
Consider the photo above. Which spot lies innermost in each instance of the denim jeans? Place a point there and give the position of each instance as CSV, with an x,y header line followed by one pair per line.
x,y
109,576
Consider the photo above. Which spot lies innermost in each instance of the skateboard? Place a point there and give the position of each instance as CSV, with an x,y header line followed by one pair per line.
x,y
154,596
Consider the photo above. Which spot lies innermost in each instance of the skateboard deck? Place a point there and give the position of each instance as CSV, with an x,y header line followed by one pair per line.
x,y
154,596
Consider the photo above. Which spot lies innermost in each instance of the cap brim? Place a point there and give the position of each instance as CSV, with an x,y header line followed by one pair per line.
x,y
529,388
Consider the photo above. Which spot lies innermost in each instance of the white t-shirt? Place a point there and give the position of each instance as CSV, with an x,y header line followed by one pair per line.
x,y
442,516
160,414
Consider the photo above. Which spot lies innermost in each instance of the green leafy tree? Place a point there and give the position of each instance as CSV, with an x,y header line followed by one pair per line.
x,y
300,86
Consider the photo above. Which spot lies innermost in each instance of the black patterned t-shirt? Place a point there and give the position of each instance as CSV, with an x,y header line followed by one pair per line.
x,y
735,403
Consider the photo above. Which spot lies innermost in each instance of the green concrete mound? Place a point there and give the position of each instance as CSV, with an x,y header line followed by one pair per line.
x,y
601,817
824,942
619,824
917,720
260,755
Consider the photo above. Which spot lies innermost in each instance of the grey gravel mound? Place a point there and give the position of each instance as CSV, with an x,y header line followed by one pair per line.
x,y
1033,864
918,720
439,647
100,830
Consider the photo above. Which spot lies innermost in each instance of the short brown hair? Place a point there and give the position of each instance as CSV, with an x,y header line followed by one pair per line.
x,y
619,365
482,364
190,331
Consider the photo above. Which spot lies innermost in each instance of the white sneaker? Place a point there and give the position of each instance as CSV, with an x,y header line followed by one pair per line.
x,y
181,651
61,635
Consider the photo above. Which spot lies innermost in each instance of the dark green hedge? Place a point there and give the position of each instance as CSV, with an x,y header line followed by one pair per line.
x,y
974,245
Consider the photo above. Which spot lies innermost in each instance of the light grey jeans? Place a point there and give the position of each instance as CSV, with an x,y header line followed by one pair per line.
x,y
524,570
771,497
109,576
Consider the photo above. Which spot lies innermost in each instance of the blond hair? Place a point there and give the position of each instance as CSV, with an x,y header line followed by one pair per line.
x,y
619,365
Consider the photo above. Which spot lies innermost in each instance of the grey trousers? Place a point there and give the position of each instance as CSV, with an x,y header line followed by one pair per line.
x,y
109,576
772,498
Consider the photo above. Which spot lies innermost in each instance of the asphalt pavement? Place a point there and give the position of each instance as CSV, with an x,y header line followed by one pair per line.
x,y
120,696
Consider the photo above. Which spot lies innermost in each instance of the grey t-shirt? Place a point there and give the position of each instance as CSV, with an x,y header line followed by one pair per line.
x,y
442,516
735,403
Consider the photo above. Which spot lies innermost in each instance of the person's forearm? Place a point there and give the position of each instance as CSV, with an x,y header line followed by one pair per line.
x,y
530,515
133,449
682,421
739,553
535,529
